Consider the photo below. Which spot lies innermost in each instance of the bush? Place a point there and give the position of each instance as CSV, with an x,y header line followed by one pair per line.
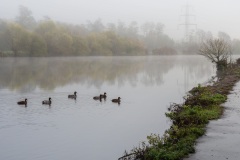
x,y
238,61
202,96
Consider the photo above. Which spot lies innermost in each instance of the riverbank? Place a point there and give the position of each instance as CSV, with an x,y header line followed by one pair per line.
x,y
189,120
222,138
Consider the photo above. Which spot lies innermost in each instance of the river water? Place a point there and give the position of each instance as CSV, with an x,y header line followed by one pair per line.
x,y
84,128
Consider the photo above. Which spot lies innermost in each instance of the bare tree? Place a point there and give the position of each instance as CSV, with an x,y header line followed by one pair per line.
x,y
216,50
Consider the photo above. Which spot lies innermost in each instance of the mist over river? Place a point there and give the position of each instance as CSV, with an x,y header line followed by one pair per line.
x,y
84,128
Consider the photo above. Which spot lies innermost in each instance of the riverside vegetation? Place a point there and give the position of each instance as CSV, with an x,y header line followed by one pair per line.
x,y
189,120
26,36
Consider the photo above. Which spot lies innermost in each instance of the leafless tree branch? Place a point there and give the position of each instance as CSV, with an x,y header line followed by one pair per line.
x,y
216,50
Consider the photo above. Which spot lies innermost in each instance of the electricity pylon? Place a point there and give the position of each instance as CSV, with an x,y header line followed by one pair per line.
x,y
187,22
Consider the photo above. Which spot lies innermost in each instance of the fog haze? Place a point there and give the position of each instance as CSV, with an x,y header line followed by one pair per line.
x,y
214,15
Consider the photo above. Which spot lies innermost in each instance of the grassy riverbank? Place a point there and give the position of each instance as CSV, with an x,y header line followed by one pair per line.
x,y
189,120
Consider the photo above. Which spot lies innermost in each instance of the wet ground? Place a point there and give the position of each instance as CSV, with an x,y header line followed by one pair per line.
x,y
222,139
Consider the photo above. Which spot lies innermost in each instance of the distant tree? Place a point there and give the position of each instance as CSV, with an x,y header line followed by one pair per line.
x,y
132,30
216,50
25,18
159,28
50,33
80,46
121,29
64,44
112,27
224,36
147,27
96,26
4,38
236,46
94,44
153,36
19,39
202,35
38,46
45,27
116,46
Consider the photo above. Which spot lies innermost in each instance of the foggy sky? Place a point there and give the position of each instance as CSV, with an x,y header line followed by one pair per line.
x,y
210,15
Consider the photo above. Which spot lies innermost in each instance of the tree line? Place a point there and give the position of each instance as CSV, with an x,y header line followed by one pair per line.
x,y
24,36
49,38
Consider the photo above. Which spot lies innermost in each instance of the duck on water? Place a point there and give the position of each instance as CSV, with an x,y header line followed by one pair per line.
x,y
73,96
22,102
104,95
118,100
98,97
49,101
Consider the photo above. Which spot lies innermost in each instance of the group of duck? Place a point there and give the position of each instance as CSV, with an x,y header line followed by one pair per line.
x,y
74,96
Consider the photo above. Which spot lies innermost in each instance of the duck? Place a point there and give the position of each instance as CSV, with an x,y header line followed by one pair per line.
x,y
49,102
22,102
104,95
116,100
73,95
98,97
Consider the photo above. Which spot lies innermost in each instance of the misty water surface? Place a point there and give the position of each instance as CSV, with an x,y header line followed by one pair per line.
x,y
84,128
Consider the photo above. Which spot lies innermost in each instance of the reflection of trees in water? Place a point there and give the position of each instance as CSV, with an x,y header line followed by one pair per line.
x,y
26,74
49,73
195,66
155,68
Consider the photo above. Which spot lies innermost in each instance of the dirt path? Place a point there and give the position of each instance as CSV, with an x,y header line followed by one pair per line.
x,y
222,139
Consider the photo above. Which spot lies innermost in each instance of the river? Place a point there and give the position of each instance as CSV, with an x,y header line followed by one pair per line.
x,y
85,128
